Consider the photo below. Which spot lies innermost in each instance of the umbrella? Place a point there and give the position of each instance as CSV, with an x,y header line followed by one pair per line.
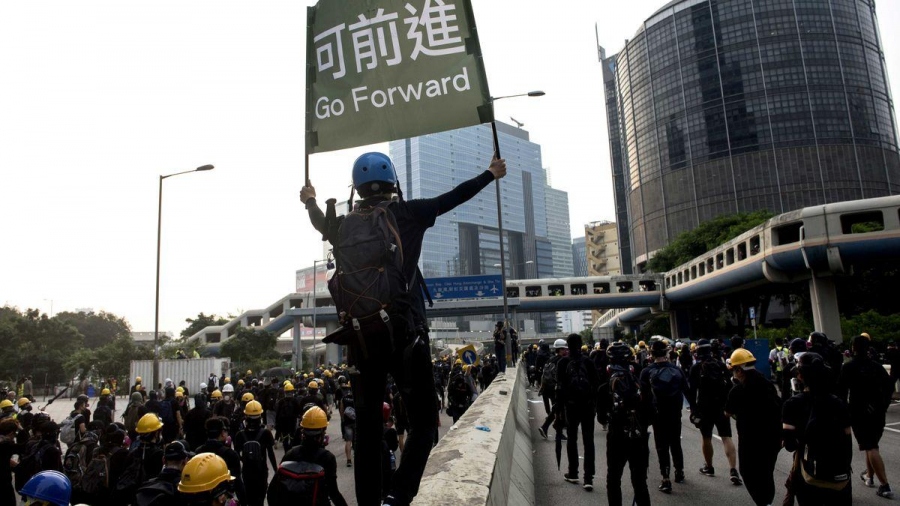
x,y
276,371
558,426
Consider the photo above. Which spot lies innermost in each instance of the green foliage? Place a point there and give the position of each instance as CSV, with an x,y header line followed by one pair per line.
x,y
98,329
881,328
36,345
251,349
707,236
201,322
658,326
799,328
868,226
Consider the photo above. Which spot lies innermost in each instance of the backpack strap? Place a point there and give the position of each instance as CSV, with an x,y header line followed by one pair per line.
x,y
424,286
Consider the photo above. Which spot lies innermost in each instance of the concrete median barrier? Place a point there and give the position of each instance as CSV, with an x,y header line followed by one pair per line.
x,y
473,467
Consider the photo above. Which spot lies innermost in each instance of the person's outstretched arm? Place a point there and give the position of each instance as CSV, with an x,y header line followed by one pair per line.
x,y
466,190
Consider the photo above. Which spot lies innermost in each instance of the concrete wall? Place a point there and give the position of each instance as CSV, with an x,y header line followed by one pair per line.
x,y
470,467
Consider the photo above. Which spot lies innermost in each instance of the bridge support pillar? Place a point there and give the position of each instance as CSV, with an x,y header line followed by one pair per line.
x,y
333,352
680,323
295,350
826,317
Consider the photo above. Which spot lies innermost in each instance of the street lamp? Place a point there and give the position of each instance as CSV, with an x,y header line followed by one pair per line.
x,y
158,243
315,306
499,208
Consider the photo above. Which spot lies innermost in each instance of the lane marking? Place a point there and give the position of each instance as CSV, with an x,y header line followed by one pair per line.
x,y
536,401
895,423
892,430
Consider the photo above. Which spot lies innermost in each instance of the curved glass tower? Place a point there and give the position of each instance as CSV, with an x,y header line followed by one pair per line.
x,y
724,106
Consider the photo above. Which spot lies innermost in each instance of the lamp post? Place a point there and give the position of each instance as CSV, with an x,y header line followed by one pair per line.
x,y
499,208
158,244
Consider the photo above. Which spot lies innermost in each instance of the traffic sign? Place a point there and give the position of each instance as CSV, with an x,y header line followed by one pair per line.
x,y
467,355
752,313
466,287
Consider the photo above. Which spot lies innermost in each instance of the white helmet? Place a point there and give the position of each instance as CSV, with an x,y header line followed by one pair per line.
x,y
560,344
228,389
202,386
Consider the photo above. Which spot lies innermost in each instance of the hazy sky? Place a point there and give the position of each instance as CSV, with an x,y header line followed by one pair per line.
x,y
99,98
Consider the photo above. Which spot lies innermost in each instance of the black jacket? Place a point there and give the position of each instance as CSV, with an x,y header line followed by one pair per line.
x,y
562,378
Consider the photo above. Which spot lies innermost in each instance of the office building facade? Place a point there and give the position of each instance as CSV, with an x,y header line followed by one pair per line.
x,y
579,257
724,106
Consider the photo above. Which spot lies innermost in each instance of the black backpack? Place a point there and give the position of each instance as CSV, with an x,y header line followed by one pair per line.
x,y
713,381
156,492
31,463
103,414
824,461
665,383
369,278
133,475
297,484
76,459
286,416
165,412
626,398
349,414
548,378
579,387
253,463
96,476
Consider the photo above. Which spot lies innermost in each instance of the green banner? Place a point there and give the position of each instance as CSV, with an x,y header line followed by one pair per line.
x,y
379,70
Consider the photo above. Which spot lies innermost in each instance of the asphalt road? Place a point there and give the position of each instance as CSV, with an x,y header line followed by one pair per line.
x,y
550,488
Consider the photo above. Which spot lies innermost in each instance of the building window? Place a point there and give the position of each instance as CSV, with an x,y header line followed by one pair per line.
x,y
601,288
742,251
624,287
861,223
213,337
579,289
720,261
556,290
787,234
533,291
648,286
754,246
701,269
512,292
693,272
729,256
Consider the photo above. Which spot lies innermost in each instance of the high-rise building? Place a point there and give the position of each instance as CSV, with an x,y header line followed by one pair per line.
x,y
465,241
579,257
726,106
602,249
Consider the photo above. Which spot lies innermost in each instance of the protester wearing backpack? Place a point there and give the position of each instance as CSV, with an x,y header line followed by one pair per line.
x,y
144,461
548,386
103,413
308,473
386,330
347,409
620,407
133,412
102,473
460,394
78,457
577,386
163,489
217,435
207,481
253,444
195,422
816,428
869,389
709,383
8,448
756,407
664,387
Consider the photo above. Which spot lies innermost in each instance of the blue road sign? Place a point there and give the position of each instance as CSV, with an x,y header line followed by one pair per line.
x,y
466,287
469,357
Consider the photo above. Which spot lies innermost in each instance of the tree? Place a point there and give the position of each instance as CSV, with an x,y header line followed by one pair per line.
x,y
715,232
250,349
98,329
201,322
36,345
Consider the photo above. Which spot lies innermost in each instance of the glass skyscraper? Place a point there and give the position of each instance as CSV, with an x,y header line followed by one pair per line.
x,y
724,106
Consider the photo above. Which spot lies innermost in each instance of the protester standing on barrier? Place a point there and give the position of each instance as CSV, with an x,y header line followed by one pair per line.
x,y
500,339
756,407
393,337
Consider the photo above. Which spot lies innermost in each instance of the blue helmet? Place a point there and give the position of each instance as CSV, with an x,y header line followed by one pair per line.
x,y
372,167
50,486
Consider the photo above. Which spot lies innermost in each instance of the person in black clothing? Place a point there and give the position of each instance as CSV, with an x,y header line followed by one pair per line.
x,y
195,422
104,413
500,338
163,489
548,389
577,385
149,452
664,387
287,411
8,448
112,448
892,357
709,384
514,346
627,441
255,471
830,441
834,359
408,359
312,398
868,387
685,358
756,406
217,434
312,450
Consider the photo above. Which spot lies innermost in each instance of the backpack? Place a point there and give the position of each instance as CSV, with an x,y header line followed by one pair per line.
x,y
165,412
75,461
579,387
96,474
67,430
349,409
133,475
103,414
713,383
297,484
876,394
31,463
823,462
252,456
131,418
665,384
548,378
458,390
369,256
286,416
155,492
626,397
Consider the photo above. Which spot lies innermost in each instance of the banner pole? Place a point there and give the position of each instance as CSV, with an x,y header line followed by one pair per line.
x,y
500,232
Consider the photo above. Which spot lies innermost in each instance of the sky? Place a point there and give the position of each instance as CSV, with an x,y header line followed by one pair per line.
x,y
97,99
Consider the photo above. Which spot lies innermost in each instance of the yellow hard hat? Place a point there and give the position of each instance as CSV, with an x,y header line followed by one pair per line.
x,y
287,382
348,384
137,379
458,361
693,346
216,394
289,387
249,372
642,344
866,335
312,384
740,357
180,389
105,391
240,382
533,346
584,347
247,397
6,403
227,380
203,473
305,376
253,408
327,373
314,418
179,395
149,423
24,401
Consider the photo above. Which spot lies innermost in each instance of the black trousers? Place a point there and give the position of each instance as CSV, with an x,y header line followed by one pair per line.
x,y
636,453
756,461
667,436
551,416
583,415
409,363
